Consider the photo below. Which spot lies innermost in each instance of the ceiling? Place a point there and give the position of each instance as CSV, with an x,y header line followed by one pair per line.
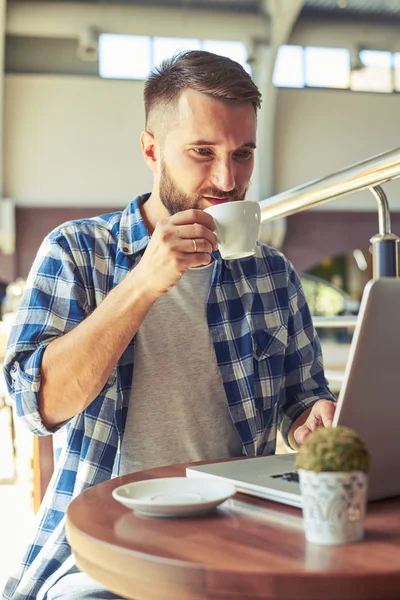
x,y
370,10
365,9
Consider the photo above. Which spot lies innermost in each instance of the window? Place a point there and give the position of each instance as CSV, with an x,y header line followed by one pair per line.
x,y
372,71
327,67
124,56
165,47
289,67
133,57
376,76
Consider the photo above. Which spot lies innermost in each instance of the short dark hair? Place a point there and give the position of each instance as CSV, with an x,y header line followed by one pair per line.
x,y
218,76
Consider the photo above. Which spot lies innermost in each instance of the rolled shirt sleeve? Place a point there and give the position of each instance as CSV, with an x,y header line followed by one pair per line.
x,y
54,302
304,381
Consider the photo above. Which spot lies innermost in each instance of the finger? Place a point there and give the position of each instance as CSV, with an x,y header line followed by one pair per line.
x,y
301,434
200,259
327,412
193,215
198,231
196,245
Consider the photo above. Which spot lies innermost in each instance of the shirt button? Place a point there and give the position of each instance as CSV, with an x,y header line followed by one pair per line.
x,y
14,368
35,386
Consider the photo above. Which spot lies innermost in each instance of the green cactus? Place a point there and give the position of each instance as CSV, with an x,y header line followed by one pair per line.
x,y
333,449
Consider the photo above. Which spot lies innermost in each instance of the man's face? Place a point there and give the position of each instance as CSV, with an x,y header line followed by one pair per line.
x,y
207,156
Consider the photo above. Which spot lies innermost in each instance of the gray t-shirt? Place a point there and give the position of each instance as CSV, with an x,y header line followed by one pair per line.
x,y
178,411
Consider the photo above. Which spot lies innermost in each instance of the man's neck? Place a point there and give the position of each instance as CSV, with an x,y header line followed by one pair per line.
x,y
153,211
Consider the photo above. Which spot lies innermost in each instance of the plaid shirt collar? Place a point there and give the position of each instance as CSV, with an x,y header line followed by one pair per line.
x,y
133,233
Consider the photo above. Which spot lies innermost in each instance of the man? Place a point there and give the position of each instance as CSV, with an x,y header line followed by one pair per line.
x,y
137,346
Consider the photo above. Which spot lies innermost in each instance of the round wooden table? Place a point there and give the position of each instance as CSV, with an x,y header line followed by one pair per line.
x,y
248,548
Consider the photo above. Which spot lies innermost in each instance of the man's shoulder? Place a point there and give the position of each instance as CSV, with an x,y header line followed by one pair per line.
x,y
108,227
95,227
274,259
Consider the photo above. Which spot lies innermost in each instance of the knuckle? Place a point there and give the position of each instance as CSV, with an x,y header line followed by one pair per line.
x,y
201,246
165,235
200,230
204,246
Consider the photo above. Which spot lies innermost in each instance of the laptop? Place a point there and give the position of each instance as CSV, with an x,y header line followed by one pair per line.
x,y
369,403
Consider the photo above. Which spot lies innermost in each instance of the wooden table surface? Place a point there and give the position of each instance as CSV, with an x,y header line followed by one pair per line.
x,y
248,548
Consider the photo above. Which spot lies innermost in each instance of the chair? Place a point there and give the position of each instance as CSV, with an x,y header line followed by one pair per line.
x,y
43,467
5,405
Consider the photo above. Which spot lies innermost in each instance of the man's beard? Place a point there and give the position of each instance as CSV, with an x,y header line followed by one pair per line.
x,y
175,200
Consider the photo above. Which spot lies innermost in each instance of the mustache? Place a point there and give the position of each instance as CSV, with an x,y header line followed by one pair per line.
x,y
219,195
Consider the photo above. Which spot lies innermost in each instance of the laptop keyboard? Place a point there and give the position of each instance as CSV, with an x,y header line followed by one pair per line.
x,y
290,477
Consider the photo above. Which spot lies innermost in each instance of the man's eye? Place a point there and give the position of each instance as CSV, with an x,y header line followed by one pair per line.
x,y
202,151
244,154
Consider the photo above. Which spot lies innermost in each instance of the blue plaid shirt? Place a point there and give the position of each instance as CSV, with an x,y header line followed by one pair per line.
x,y
265,344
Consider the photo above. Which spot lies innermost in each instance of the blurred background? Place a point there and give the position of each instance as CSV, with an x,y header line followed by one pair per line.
x,y
71,99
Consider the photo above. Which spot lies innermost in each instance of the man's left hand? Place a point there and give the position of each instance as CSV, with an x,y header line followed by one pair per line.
x,y
321,415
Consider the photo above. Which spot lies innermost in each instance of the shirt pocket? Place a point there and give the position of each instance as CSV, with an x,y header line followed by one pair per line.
x,y
269,348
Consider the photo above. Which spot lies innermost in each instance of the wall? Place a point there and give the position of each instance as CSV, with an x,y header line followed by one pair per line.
x,y
34,223
73,141
316,235
321,131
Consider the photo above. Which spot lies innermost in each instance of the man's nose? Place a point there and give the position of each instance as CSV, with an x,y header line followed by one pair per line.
x,y
223,175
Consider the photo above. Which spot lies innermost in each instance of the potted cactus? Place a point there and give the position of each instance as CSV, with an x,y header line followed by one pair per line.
x,y
333,466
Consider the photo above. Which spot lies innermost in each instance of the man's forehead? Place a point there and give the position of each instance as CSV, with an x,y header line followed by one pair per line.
x,y
191,102
197,116
206,120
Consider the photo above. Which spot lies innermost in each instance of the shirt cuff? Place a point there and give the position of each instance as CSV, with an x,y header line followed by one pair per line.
x,y
24,381
306,401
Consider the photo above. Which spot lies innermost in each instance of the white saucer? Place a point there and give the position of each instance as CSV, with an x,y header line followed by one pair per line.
x,y
173,496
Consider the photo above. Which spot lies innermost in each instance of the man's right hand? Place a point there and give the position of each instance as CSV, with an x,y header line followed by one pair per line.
x,y
76,366
171,250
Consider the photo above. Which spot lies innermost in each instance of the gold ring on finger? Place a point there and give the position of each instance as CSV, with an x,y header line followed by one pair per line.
x,y
194,245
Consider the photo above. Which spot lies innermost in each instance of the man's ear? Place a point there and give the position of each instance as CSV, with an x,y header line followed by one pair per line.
x,y
149,148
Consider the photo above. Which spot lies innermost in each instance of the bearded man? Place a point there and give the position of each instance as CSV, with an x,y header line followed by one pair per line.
x,y
136,346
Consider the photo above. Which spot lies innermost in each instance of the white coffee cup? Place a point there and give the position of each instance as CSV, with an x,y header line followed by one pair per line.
x,y
236,227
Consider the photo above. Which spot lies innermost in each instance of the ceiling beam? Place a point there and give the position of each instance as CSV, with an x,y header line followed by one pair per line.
x,y
70,20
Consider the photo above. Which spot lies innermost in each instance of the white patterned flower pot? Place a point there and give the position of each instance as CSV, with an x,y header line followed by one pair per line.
x,y
334,506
